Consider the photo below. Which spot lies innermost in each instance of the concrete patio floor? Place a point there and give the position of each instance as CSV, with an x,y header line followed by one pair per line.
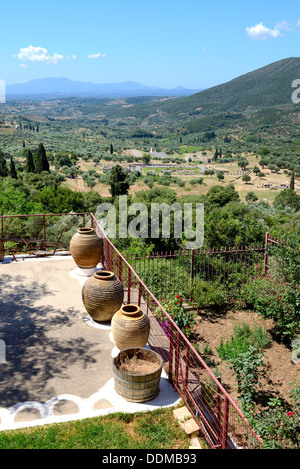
x,y
55,361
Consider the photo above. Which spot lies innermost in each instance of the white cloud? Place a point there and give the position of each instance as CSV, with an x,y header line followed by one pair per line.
x,y
24,66
38,54
261,32
298,23
96,56
284,25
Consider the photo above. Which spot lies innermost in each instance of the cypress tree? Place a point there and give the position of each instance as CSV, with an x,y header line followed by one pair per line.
x,y
12,169
3,167
292,181
29,162
41,160
118,181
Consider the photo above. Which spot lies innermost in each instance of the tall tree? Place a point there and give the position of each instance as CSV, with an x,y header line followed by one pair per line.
x,y
292,181
118,181
41,160
3,167
29,162
12,169
111,149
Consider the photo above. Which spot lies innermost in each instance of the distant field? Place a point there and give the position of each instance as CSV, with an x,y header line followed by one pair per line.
x,y
256,184
6,131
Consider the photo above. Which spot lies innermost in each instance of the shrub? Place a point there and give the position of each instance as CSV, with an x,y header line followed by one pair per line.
x,y
274,300
184,319
242,340
205,293
248,367
278,426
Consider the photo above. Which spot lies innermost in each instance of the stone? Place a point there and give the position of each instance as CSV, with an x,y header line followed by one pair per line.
x,y
189,426
182,414
195,444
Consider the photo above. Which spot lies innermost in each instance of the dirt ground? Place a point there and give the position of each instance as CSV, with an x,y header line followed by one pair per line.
x,y
213,326
137,366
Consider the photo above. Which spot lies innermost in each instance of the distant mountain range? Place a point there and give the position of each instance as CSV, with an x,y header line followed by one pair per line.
x,y
48,88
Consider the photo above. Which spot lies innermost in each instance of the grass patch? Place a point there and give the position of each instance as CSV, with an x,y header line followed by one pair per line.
x,y
143,430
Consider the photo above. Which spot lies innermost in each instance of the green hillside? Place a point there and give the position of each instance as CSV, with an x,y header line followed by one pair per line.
x,y
268,86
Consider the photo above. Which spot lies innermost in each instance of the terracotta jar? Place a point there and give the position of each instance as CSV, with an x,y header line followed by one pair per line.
x,y
130,327
86,248
102,295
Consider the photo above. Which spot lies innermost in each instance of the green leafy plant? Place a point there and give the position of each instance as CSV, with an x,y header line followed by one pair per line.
x,y
240,342
244,353
278,426
248,367
274,300
205,293
184,319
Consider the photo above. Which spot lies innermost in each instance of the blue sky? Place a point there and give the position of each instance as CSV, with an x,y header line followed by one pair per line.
x,y
165,43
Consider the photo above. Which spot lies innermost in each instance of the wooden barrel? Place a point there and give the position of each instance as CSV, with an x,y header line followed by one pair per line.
x,y
137,374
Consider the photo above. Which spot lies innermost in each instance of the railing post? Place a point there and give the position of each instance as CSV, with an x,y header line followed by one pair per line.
x,y
140,294
44,222
120,268
177,359
219,413
225,424
171,353
192,263
266,253
192,273
187,366
129,286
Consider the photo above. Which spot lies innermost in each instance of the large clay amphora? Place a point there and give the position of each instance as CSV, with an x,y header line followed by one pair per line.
x,y
130,327
102,295
86,248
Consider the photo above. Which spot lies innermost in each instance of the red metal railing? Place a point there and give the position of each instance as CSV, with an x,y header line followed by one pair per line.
x,y
35,230
219,418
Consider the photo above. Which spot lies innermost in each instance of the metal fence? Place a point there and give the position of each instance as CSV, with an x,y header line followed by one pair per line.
x,y
219,419
182,272
23,233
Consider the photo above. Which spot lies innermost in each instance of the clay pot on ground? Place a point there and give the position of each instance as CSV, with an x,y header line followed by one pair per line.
x,y
130,327
102,295
86,248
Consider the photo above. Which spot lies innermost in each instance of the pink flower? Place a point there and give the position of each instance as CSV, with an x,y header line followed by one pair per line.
x,y
289,414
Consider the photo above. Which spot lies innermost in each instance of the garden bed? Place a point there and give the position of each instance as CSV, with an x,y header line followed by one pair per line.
x,y
211,326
